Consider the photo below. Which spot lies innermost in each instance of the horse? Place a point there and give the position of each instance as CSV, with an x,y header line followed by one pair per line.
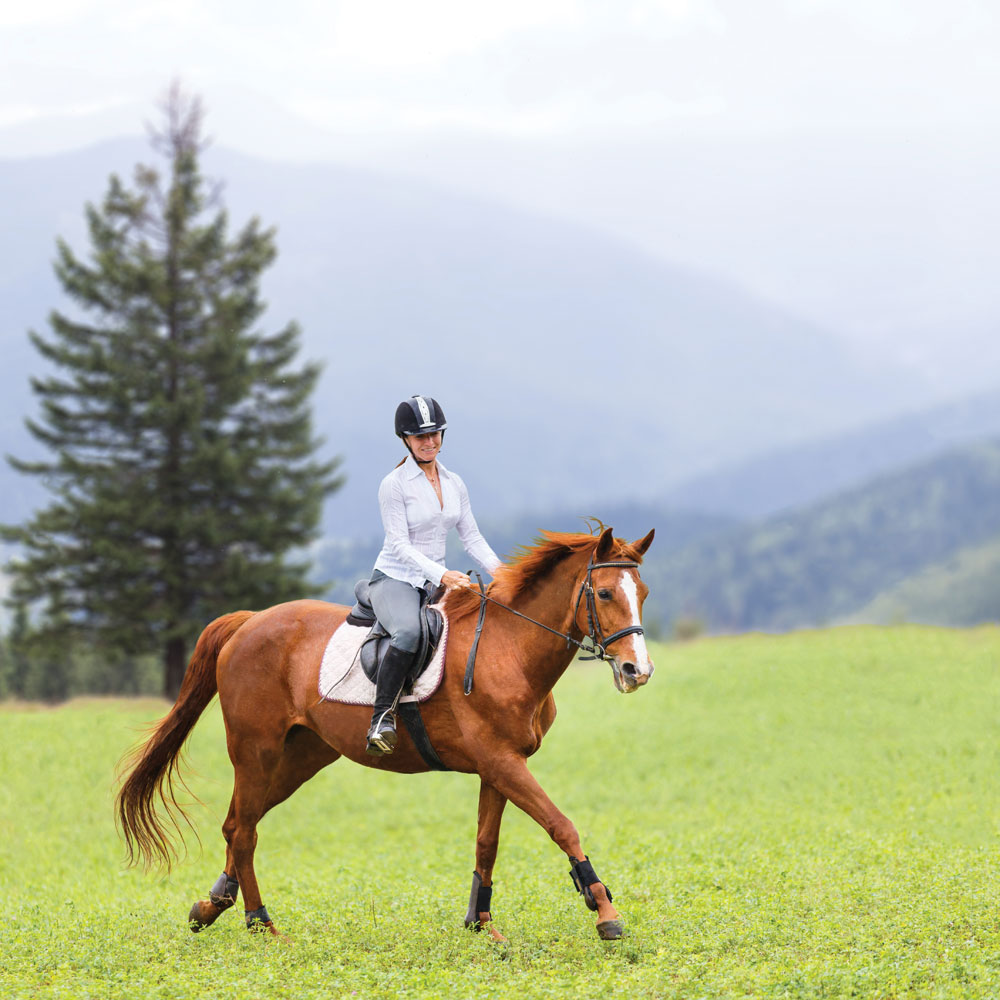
x,y
564,592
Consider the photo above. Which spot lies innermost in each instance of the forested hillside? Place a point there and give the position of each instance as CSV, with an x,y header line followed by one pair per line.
x,y
962,590
824,562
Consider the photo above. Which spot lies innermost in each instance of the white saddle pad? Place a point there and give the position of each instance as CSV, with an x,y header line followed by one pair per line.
x,y
342,679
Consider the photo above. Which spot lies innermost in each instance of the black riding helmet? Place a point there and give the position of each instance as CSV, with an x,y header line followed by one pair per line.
x,y
419,415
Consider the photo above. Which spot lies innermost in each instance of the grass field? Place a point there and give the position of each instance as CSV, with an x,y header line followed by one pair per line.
x,y
811,815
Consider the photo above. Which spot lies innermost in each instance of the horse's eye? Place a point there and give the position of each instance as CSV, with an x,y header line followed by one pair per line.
x,y
604,595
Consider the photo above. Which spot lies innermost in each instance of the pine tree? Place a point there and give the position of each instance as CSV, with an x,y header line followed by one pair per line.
x,y
183,465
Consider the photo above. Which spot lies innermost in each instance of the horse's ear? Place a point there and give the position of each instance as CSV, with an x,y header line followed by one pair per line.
x,y
605,545
644,543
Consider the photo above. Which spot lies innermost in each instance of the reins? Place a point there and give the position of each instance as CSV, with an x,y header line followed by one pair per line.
x,y
595,643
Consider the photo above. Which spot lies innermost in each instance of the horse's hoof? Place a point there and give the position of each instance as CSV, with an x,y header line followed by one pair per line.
x,y
610,930
198,919
257,927
262,927
495,935
268,929
485,923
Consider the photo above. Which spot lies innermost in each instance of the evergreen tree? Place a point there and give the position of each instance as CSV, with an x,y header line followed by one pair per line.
x,y
184,467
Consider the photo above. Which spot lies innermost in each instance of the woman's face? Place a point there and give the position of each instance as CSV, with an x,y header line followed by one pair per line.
x,y
425,446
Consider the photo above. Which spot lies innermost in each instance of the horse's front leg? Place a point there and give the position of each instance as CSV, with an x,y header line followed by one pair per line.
x,y
510,776
491,804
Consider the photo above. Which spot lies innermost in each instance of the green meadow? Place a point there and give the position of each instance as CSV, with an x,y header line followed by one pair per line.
x,y
808,815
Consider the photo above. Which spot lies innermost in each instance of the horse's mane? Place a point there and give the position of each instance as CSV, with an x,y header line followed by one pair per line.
x,y
531,563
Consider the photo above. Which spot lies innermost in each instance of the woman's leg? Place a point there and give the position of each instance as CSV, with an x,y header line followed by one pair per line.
x,y
397,607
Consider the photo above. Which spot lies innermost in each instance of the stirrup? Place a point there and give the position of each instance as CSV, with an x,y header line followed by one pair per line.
x,y
382,738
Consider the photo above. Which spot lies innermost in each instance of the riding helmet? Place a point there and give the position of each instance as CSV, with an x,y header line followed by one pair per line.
x,y
419,415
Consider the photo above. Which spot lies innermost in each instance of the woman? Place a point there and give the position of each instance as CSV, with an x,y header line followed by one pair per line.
x,y
420,501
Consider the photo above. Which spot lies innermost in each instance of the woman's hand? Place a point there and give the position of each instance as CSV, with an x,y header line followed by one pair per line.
x,y
452,579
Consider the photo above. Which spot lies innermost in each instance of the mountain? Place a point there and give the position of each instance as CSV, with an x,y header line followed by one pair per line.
x,y
963,590
795,476
886,235
826,561
575,370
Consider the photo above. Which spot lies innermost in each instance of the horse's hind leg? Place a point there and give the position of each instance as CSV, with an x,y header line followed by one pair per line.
x,y
491,805
266,776
303,755
224,892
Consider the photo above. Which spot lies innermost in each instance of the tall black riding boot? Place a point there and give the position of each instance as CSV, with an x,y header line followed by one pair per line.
x,y
392,673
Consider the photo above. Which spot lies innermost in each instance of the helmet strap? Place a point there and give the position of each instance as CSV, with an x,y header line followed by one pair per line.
x,y
410,450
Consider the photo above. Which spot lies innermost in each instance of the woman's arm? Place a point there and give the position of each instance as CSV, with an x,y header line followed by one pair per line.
x,y
471,536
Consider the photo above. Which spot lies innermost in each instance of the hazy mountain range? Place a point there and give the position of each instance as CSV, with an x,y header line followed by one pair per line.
x,y
802,474
575,370
580,376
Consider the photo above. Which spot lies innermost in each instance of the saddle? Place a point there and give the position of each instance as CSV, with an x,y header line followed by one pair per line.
x,y
377,641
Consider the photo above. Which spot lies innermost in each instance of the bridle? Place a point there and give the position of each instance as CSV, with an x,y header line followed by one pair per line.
x,y
595,643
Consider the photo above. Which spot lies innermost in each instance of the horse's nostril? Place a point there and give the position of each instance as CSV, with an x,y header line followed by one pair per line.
x,y
630,670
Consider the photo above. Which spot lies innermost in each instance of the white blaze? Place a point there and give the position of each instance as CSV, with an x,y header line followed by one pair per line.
x,y
638,641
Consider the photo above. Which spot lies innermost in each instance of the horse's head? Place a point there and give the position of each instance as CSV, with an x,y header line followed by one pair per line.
x,y
609,609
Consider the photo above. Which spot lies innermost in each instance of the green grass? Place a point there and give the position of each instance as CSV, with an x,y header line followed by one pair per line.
x,y
811,815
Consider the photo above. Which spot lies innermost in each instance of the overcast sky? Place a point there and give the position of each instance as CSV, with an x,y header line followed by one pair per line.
x,y
572,107
520,67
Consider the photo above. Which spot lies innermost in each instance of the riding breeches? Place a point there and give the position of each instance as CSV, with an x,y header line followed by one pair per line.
x,y
397,606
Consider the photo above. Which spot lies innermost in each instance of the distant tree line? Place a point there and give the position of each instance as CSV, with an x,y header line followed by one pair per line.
x,y
36,667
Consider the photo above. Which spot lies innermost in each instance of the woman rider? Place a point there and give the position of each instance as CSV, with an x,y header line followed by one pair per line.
x,y
420,501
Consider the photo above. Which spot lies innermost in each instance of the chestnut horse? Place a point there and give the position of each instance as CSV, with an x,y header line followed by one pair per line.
x,y
583,588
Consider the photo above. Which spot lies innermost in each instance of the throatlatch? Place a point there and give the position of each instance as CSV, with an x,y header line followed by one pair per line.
x,y
479,901
583,875
223,894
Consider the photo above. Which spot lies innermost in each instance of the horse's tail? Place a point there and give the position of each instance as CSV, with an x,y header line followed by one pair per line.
x,y
152,765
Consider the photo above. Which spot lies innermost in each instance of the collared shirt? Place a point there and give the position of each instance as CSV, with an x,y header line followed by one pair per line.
x,y
417,525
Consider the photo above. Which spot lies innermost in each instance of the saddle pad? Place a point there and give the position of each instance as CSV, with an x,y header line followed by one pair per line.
x,y
342,679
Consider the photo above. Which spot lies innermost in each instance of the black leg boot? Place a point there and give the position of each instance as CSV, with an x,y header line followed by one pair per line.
x,y
392,673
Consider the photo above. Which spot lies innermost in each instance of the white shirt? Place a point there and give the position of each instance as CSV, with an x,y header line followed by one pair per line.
x,y
417,525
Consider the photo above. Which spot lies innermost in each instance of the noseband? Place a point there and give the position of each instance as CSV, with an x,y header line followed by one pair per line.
x,y
595,643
